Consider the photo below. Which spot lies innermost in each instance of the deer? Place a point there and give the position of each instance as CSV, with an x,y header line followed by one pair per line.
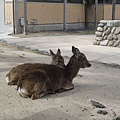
x,y
14,74
50,78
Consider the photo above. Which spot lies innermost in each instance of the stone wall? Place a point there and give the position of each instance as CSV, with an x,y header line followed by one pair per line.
x,y
108,33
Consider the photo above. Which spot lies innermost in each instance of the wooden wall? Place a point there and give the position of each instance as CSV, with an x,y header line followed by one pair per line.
x,y
108,12
117,12
52,13
45,13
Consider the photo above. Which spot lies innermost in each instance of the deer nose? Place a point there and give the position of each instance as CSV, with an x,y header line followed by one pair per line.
x,y
89,65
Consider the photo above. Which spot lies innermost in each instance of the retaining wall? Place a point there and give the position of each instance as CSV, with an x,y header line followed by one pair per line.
x,y
108,33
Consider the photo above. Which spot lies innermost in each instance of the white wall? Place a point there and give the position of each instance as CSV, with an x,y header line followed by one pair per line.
x,y
1,12
4,28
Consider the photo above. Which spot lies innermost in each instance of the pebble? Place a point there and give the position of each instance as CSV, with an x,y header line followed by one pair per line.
x,y
97,104
117,118
103,112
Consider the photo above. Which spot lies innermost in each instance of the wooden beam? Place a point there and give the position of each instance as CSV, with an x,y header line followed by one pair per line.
x,y
113,9
96,14
15,16
25,17
64,17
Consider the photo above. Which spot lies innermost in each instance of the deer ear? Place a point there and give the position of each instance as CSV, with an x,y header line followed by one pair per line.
x,y
52,53
58,52
77,51
73,50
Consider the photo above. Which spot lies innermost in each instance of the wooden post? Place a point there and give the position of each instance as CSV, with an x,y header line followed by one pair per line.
x,y
113,9
25,17
96,14
64,17
85,9
15,16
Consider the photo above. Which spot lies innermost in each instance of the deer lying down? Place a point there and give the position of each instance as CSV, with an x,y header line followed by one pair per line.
x,y
49,78
16,72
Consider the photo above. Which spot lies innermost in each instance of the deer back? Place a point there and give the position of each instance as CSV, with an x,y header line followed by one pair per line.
x,y
16,72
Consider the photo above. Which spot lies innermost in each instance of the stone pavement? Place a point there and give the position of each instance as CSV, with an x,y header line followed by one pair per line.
x,y
42,44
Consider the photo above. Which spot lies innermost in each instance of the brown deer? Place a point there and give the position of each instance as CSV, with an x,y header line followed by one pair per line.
x,y
16,72
49,78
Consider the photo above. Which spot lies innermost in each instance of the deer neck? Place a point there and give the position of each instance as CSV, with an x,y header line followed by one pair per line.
x,y
72,68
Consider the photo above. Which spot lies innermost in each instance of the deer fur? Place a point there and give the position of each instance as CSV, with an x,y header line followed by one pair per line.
x,y
16,72
52,79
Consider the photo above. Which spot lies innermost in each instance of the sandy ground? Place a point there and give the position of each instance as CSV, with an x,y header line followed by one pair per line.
x,y
101,83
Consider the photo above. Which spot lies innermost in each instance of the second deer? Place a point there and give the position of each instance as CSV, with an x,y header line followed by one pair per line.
x,y
49,78
16,72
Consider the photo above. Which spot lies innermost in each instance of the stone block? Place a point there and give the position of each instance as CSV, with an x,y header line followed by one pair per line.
x,y
100,29
99,34
110,23
115,37
116,43
104,43
105,27
108,31
110,43
110,37
100,25
99,38
118,36
117,31
116,23
105,37
104,21
104,33
118,46
113,30
95,42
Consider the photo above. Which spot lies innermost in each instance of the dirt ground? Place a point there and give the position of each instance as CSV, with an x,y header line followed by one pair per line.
x,y
100,82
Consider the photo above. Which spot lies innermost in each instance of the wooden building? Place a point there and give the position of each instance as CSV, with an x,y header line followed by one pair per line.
x,y
59,14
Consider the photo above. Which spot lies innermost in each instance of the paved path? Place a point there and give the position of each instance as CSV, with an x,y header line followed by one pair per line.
x,y
109,55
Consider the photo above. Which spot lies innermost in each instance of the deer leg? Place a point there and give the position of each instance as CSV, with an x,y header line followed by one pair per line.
x,y
12,83
40,90
68,86
37,95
